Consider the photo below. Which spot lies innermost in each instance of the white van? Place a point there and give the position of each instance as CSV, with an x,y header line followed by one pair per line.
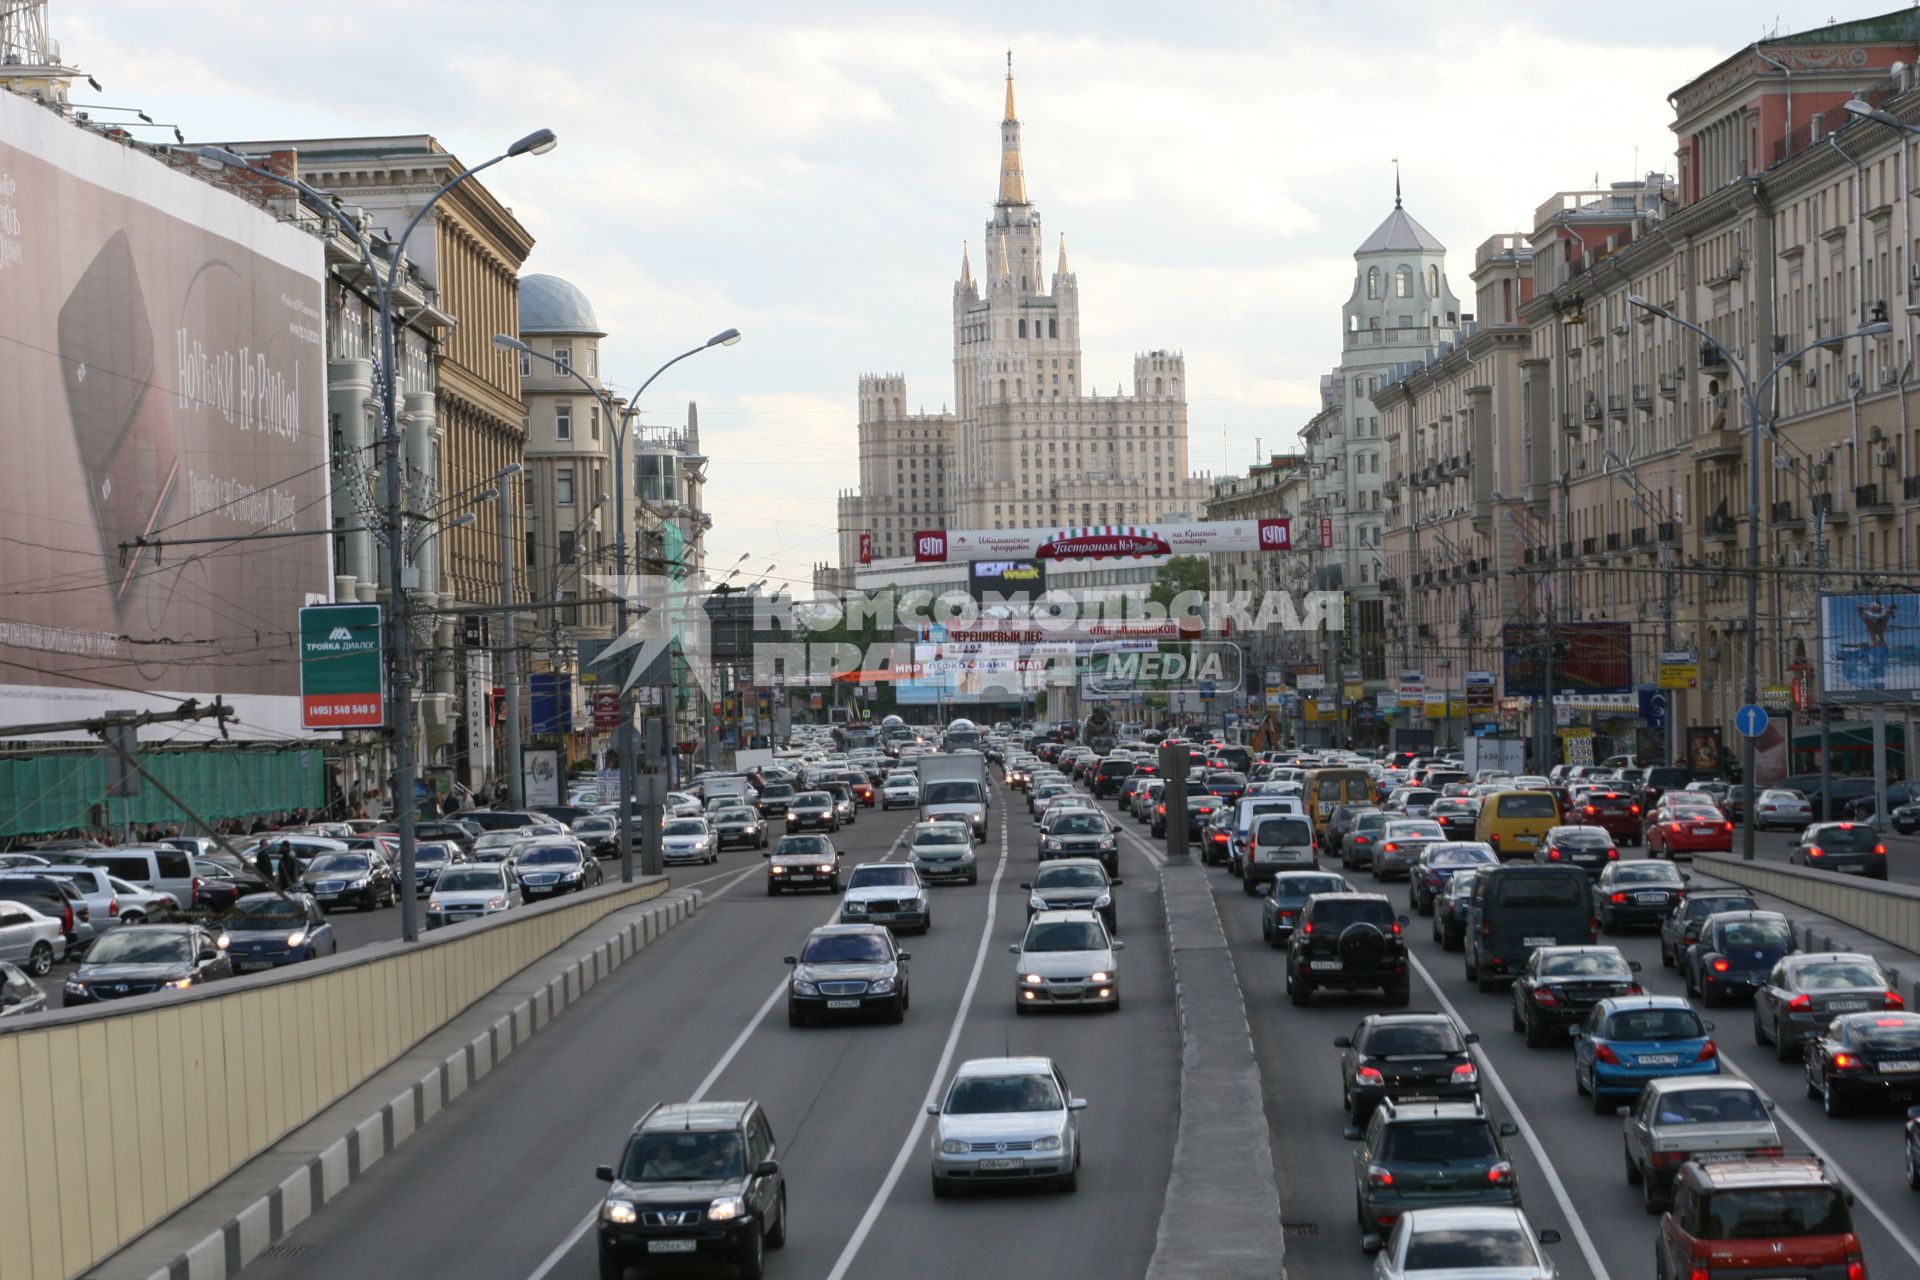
x,y
1281,842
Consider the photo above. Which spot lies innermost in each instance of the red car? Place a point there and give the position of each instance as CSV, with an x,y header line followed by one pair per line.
x,y
1617,811
1684,828
1763,1217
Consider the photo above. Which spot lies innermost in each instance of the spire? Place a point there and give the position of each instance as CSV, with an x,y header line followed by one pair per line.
x,y
1061,270
1396,182
966,265
1013,178
1006,259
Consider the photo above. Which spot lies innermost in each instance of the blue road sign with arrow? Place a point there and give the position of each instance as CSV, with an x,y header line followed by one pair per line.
x,y
1751,720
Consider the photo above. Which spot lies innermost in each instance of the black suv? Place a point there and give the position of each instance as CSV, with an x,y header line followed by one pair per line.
x,y
1422,1155
1346,941
1108,777
697,1180
1404,1056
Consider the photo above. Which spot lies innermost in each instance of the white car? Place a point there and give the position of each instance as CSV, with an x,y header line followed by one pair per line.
x,y
1779,808
682,805
1492,1243
138,904
901,789
1006,1120
688,840
471,891
943,851
1066,958
29,939
886,893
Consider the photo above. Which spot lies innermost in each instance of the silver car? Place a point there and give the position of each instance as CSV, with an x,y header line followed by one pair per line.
x,y
1683,1118
685,840
1400,845
472,891
1066,958
1006,1120
1491,1242
943,851
886,893
29,939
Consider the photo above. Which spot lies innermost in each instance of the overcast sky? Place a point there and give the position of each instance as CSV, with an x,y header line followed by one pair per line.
x,y
808,173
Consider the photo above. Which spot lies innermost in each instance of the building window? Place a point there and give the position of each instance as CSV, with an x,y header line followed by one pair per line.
x,y
566,546
593,420
1053,328
526,364
593,362
1433,282
563,421
1373,282
1403,283
563,357
1023,327
563,486
533,546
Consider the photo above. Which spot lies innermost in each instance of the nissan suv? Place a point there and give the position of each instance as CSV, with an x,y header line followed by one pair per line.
x,y
1421,1155
1348,941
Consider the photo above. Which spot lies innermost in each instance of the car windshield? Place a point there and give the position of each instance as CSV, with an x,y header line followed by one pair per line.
x,y
813,800
1525,805
1583,964
954,792
1300,888
1550,889
1399,1039
685,827
1893,1033
867,877
1466,856
468,880
777,791
1077,823
1416,831
1710,1106
267,915
1283,832
1366,822
1583,838
734,815
1646,872
1852,839
142,946
1333,915
1066,935
1839,975
683,1156
993,1095
1782,797
1461,885
548,855
1768,1213
337,864
1701,908
903,782
791,846
1755,933
1654,1024
845,948
940,835
1070,878
1463,1250
1438,1142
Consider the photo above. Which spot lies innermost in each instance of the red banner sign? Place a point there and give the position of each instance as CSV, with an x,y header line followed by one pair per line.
x,y
930,546
866,547
606,709
1085,544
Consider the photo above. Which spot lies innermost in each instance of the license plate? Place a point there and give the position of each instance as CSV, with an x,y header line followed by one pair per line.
x,y
1524,842
1892,1067
1716,1157
671,1246
1844,1006
1659,1059
1703,831
992,1165
268,964
1326,964
799,879
1539,942
843,1004
1649,897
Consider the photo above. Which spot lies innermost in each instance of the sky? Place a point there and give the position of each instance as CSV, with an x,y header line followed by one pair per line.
x,y
808,174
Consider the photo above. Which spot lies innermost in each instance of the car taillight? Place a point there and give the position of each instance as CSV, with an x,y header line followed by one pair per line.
x,y
1844,1062
1617,898
1698,1272
1368,1075
1541,996
1667,1159
1880,850
1675,826
1800,1004
1553,855
1486,928
1708,1052
1396,928
1378,1177
1501,1175
1307,930
1163,808
1727,825
66,919
1605,1053
1721,966
1892,1000
1593,929
1856,1267
1635,989
1613,855
1591,809
113,906
1816,852
1635,810
1287,915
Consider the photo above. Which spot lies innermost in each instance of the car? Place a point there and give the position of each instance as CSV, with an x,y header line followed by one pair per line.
x,y
19,994
156,866
813,811
1438,863
1426,1154
1681,827
1636,894
1286,894
775,799
1785,809
808,861
688,840
139,905
1277,842
1200,811
1226,785
1807,990
1558,986
1081,833
135,962
1626,1041
57,899
1841,846
1515,822
1735,953
1701,1118
1066,958
943,851
1589,848
695,1180
1451,907
1680,927
1145,797
1339,822
1363,838
682,804
1781,1215
1074,884
430,858
888,893
1517,908
267,931
598,833
471,891
29,939
847,968
1615,811
1488,1242
901,790
549,867
1348,942
1109,774
1401,842
1862,1058
1403,1055
1455,814
846,806
357,878
737,825
861,786
1006,1121
102,900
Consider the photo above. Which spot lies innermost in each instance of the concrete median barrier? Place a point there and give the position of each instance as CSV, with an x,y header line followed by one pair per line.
x,y
1888,911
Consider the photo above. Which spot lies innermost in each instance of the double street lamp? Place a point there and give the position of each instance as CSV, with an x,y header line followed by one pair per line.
x,y
399,631
623,736
1750,394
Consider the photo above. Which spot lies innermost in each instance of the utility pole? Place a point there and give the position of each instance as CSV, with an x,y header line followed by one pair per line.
x,y
510,649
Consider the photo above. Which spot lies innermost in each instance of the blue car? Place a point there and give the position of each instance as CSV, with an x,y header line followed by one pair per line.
x,y
1629,1040
267,931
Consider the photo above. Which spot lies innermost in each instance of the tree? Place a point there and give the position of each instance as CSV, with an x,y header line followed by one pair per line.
x,y
1178,575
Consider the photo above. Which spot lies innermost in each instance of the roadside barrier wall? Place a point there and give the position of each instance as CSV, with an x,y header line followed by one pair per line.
x,y
1888,911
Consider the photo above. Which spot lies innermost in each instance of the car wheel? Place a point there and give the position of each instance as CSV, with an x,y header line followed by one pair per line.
x,y
1783,1051
941,1187
1759,1031
1686,980
795,1018
1513,1010
1913,1166
772,888
131,917
40,960
1666,956
1650,1198
973,877
1298,992
1021,1008
1633,1168
1071,1182
1601,1107
1246,883
1579,1082
777,1233
754,1265
1813,1085
1439,934
611,1268
1833,1102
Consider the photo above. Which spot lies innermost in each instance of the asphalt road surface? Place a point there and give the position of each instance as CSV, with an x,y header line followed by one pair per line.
x,y
507,1176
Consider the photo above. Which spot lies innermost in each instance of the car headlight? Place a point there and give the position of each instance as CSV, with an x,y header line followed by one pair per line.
x,y
621,1212
882,986
1037,902
1104,900
1100,976
222,942
496,904
76,986
179,984
777,869
1032,979
1049,1143
433,904
955,1147
297,937
1051,843
824,867
573,875
801,987
726,1209
854,908
361,883
1107,845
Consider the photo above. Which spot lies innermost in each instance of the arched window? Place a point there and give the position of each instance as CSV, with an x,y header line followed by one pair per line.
x,y
1373,282
1403,283
1353,324
1023,328
1159,387
1433,282
1003,388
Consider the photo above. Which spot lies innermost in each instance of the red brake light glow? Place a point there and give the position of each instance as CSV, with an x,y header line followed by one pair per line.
x,y
1800,1003
1605,1053
1893,1000
1708,1052
1720,966
1617,898
1842,1061
1368,1075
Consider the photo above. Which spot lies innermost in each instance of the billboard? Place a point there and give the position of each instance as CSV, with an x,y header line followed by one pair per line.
x,y
343,671
1586,657
1872,651
1006,578
164,373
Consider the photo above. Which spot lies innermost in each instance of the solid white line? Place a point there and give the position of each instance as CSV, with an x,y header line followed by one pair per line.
x,y
585,1225
872,1215
1559,1189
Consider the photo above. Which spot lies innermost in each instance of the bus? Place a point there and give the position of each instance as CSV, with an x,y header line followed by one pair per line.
x,y
855,735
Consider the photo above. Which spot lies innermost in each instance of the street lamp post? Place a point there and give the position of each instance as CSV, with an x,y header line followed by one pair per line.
x,y
623,736
400,657
1750,394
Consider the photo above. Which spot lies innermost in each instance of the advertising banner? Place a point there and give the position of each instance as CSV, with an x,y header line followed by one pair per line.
x,y
606,710
1413,689
1310,682
1576,657
540,775
552,701
1872,651
164,375
343,679
1094,542
1006,578
1480,692
1679,669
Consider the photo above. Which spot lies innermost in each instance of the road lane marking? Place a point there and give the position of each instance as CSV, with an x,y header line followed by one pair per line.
x,y
908,1147
585,1225
1559,1189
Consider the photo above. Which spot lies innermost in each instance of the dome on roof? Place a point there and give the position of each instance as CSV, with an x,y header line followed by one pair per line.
x,y
1400,234
549,304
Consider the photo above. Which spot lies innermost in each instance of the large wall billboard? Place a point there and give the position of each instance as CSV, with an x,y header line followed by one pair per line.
x,y
1584,657
1872,647
164,374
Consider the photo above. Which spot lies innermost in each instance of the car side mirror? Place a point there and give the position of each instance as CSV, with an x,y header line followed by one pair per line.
x,y
1472,1037
1116,882
1371,1243
604,1173
1343,1042
1849,1196
1706,1025
206,954
766,1168
1402,921
1013,948
1623,1112
1118,945
933,1108
1509,1129
789,959
1685,878
1549,1236
766,853
1026,884
1351,1133
1076,1104
904,955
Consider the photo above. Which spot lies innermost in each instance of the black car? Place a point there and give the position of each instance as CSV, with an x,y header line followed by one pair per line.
x,y
599,834
1341,821
1346,942
775,798
443,829
1363,837
1082,833
358,878
1200,812
1864,1058
1558,987
1424,1155
1109,775
1078,884
1680,928
1286,894
1457,816
1451,907
1400,1055
134,962
1735,953
847,968
812,810
697,1181
1439,863
738,825
1227,786
1589,848
1841,846
266,931
551,867
1637,894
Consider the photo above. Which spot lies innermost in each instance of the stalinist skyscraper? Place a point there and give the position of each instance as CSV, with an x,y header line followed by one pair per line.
x,y
1028,442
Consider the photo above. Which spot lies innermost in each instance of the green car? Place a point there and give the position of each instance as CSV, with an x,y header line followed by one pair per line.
x,y
1424,1155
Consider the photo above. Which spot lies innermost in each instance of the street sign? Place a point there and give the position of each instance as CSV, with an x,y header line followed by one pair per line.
x,y
606,710
1751,720
1653,708
1679,669
343,681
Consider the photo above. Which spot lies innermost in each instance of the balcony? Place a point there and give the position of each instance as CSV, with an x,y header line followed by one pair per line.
x,y
1910,488
1718,446
1613,542
1456,465
1869,501
1667,531
1669,385
1825,507
1566,551
1785,517
1643,394
1720,527
1570,422
1587,546
1710,357
1390,586
1526,556
1616,405
1638,537
1590,411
